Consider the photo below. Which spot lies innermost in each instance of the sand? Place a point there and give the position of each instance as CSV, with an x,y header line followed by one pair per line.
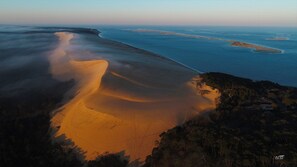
x,y
257,48
176,34
112,112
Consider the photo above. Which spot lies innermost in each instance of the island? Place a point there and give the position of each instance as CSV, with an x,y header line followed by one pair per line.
x,y
256,48
161,32
278,39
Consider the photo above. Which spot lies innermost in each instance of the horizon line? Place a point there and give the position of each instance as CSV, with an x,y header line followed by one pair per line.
x,y
152,25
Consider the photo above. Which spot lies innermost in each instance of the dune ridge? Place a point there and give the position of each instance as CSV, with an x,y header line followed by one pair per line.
x,y
113,111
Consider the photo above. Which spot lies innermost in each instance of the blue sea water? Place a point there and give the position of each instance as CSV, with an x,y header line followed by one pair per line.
x,y
216,55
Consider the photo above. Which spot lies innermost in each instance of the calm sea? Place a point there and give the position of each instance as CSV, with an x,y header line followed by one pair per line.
x,y
218,56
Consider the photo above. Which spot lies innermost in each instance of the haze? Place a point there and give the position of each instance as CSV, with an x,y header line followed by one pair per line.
x,y
150,12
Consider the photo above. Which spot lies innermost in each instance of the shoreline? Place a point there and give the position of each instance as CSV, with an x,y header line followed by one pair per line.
x,y
155,54
78,96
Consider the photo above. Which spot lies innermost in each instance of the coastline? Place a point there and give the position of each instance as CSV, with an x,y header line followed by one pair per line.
x,y
110,88
152,53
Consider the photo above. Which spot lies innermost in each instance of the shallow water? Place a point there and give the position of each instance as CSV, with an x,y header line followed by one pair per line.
x,y
218,56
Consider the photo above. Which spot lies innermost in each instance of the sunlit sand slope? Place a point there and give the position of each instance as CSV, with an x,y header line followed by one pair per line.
x,y
122,105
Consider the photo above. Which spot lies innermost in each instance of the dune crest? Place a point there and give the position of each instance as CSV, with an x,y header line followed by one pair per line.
x,y
88,76
114,111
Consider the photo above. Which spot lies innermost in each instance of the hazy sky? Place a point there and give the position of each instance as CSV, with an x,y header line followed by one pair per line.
x,y
152,12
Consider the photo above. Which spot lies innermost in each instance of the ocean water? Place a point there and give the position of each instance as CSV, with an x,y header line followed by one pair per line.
x,y
216,55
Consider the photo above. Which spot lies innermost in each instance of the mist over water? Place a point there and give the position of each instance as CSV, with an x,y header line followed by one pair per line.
x,y
117,98
24,66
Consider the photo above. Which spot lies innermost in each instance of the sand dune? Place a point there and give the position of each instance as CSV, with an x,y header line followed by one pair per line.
x,y
112,112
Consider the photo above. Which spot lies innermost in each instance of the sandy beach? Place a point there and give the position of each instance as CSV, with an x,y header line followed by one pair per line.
x,y
114,111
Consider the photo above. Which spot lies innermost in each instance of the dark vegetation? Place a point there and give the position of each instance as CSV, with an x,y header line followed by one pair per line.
x,y
28,95
253,123
25,139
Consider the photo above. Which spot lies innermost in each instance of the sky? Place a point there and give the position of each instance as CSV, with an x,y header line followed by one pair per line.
x,y
150,12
